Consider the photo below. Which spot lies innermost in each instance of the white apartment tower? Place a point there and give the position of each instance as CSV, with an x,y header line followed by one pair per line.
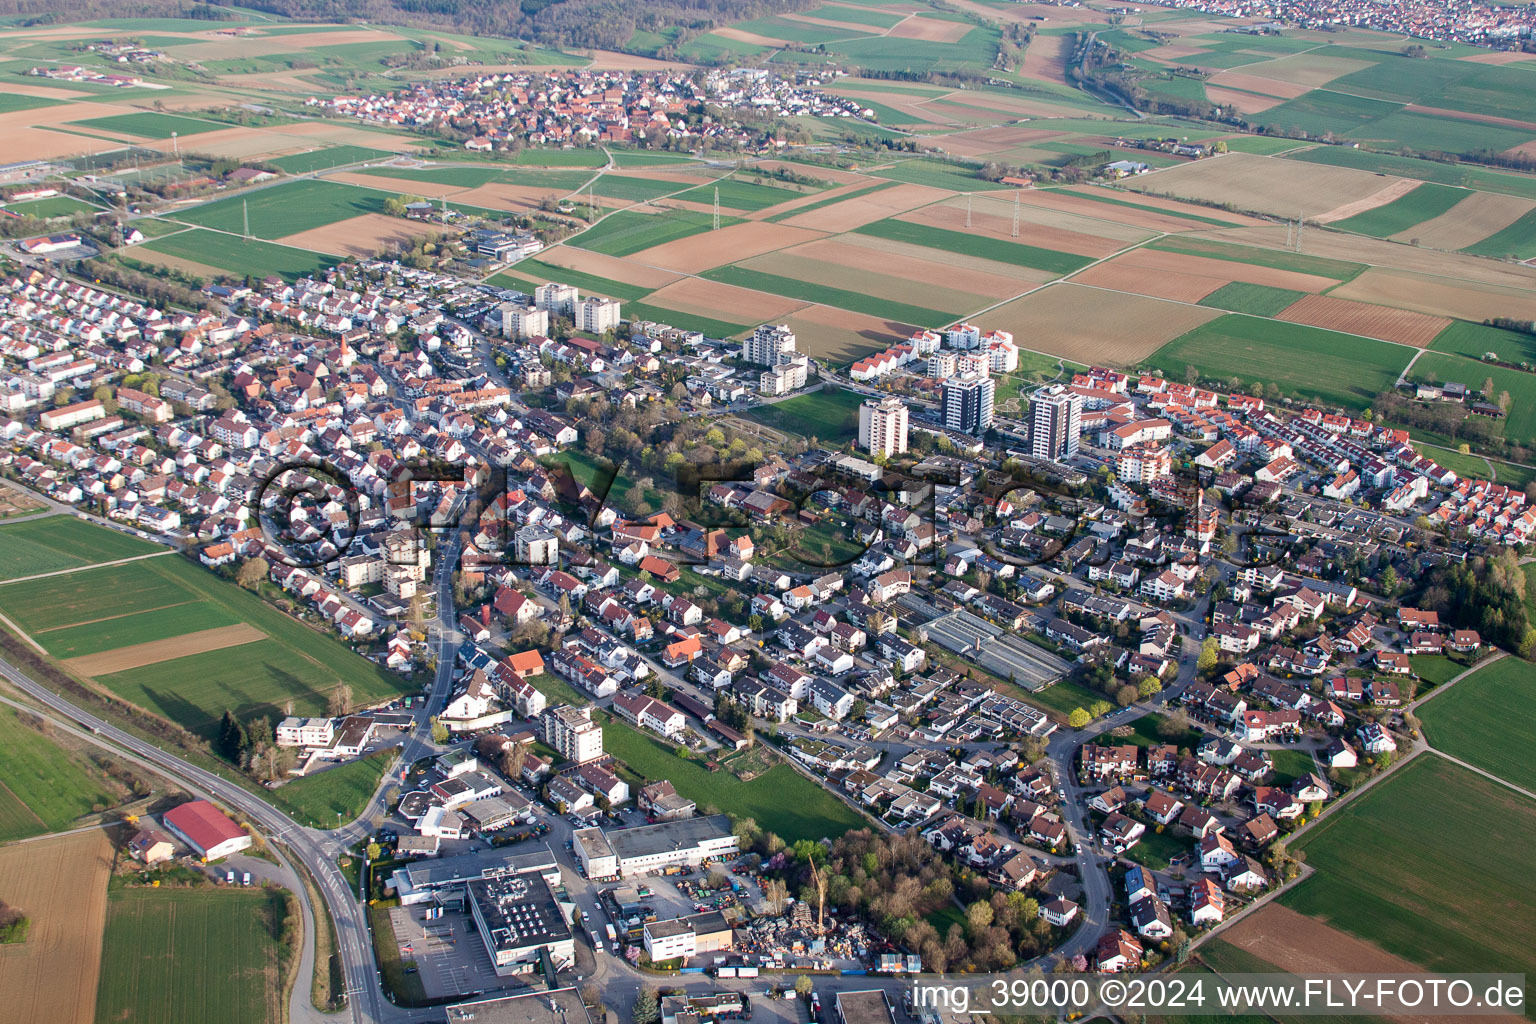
x,y
967,404
559,299
595,315
768,344
571,731
523,321
1055,422
883,426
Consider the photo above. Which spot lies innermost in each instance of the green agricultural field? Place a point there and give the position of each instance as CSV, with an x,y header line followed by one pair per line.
x,y
1482,720
1180,214
1257,299
334,796
1341,270
149,125
1262,145
843,298
467,177
52,543
1434,670
241,256
747,196
1517,241
1520,424
11,102
53,206
635,190
829,416
322,159
43,787
781,799
1426,132
176,955
626,232
1322,111
976,245
1476,340
647,158
1317,365
540,157
287,208
1425,202
158,598
710,327
1381,868
1474,466
936,173
586,282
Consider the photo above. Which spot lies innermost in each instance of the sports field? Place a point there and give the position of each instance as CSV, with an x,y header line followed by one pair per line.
x,y
43,787
216,647
336,795
240,256
62,542
1481,720
1318,365
781,799
177,955
286,208
53,206
1422,863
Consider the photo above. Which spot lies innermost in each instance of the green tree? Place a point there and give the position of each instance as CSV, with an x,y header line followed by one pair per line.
x,y
440,732
1209,654
803,986
647,1007
1389,581
374,851
1078,718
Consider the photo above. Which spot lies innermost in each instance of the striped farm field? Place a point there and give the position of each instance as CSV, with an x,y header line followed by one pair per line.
x,y
830,295
1402,326
94,612
62,542
628,231
1517,241
988,248
1426,202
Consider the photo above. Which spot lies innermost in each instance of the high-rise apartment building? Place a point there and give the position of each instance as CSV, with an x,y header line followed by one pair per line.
x,y
967,404
1055,422
883,426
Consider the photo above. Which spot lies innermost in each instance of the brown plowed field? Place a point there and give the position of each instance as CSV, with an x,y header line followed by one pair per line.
x,y
1047,229
1069,203
1090,325
358,236
945,262
1248,182
1499,57
1161,284
983,141
1171,205
892,259
122,659
930,30
405,186
1258,83
614,268
1439,295
841,336
1045,58
753,38
1221,271
1242,102
875,282
61,884
163,259
713,299
1471,220
728,245
866,209
1400,325
1475,271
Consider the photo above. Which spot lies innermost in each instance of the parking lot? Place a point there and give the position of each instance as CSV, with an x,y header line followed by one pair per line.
x,y
448,952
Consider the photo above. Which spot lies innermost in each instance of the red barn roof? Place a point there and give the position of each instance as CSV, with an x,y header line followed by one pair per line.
x,y
202,824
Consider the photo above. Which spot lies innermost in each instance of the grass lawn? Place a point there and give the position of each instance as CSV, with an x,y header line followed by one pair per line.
x,y
1156,849
1144,733
62,542
1484,720
317,800
1317,365
1424,202
843,298
158,598
1257,299
1291,764
241,256
322,159
1382,869
287,208
1064,697
150,125
781,799
976,245
1434,669
626,232
829,416
44,787
176,955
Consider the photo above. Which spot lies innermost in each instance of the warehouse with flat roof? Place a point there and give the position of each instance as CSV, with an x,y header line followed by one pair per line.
x,y
625,852
520,920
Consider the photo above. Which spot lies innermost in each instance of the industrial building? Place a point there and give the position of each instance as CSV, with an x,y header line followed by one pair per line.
x,y
520,921
625,852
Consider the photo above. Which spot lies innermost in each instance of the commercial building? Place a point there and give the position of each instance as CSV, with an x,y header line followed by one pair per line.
x,y
424,881
1055,423
562,1006
520,920
967,404
596,315
206,829
684,937
766,345
625,852
571,731
883,426
305,732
